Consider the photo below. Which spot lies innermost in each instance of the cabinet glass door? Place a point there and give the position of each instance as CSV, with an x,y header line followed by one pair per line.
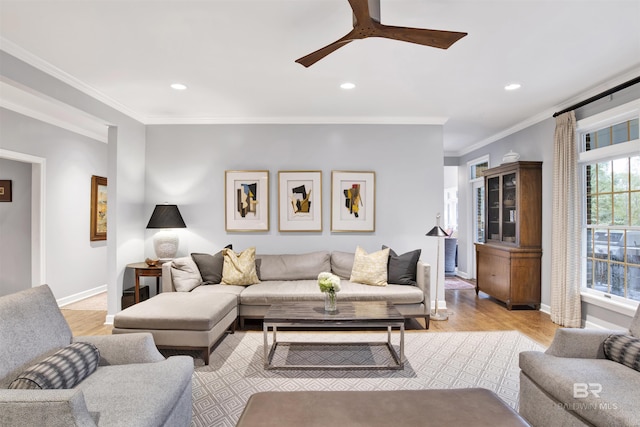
x,y
493,208
509,213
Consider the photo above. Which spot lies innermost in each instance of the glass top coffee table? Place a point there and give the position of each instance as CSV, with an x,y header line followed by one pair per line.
x,y
356,315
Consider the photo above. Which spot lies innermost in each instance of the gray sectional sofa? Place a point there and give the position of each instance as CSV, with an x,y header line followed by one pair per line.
x,y
127,383
583,379
194,309
293,277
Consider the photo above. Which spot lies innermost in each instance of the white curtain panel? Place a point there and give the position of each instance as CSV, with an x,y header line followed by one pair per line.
x,y
565,247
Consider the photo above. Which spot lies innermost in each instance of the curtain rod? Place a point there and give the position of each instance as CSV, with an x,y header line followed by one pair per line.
x,y
599,96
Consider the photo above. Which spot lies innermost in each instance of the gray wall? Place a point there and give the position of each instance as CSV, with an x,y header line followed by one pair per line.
x,y
186,165
73,263
15,229
124,157
536,143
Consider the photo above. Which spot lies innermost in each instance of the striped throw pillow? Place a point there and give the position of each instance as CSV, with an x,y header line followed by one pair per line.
x,y
623,349
62,370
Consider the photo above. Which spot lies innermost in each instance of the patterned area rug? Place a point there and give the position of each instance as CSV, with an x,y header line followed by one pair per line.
x,y
434,360
456,283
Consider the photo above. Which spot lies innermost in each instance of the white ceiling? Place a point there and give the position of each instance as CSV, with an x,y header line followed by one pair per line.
x,y
237,58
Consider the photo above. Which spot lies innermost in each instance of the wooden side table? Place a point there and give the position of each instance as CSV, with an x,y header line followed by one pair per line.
x,y
143,270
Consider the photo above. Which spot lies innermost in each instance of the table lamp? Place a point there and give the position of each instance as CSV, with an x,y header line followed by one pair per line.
x,y
165,242
438,232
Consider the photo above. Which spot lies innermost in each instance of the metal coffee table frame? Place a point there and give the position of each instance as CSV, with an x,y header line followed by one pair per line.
x,y
305,315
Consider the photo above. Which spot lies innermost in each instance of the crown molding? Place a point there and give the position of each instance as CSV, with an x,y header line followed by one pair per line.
x,y
30,103
48,68
297,120
548,113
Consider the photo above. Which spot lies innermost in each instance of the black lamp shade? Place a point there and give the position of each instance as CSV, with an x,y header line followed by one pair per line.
x,y
166,216
437,231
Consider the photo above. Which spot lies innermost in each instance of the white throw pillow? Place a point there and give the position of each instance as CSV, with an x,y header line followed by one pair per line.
x,y
370,269
185,274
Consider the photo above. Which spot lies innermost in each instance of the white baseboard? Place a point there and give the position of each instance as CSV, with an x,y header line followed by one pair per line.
x,y
462,274
545,308
109,319
81,295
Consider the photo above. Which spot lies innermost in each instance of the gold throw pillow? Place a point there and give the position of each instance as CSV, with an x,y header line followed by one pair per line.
x,y
239,269
370,269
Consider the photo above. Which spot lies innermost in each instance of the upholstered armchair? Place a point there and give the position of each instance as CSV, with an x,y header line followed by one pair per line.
x,y
47,377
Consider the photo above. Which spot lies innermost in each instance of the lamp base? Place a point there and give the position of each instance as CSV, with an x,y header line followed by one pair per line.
x,y
438,315
165,244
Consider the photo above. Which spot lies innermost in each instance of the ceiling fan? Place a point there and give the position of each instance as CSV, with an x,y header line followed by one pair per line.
x,y
366,23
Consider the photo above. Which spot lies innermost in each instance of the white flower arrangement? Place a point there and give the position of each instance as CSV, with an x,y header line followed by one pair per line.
x,y
328,282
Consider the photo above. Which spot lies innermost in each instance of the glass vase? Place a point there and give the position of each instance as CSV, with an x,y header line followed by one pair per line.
x,y
330,303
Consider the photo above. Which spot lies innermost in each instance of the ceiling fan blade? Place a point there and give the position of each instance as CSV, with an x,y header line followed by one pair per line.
x,y
316,56
360,10
433,38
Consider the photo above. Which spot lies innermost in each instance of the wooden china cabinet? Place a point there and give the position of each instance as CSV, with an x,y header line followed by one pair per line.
x,y
508,263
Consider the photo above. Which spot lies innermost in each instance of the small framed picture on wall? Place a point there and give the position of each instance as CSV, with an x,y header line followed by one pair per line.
x,y
5,190
300,201
98,208
246,195
353,201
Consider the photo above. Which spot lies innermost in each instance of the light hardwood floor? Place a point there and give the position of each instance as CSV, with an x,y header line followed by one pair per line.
x,y
468,312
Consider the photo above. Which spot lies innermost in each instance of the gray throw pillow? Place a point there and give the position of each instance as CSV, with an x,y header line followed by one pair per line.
x,y
62,370
402,268
210,266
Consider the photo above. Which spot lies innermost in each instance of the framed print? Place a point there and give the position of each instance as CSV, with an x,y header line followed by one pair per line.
x,y
98,208
246,195
5,190
352,201
300,201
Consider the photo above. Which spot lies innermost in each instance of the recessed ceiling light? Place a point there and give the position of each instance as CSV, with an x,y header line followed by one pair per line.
x,y
347,86
512,86
178,86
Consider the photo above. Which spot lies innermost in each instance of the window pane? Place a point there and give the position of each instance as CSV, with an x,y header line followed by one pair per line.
x,y
621,209
604,177
617,280
605,215
616,245
634,170
633,281
621,174
601,247
603,138
590,243
633,247
590,284
635,208
600,276
620,132
633,130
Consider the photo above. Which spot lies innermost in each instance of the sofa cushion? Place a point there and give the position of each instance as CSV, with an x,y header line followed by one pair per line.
x,y
616,387
185,274
293,267
623,349
239,268
177,311
269,292
31,327
210,266
342,264
370,269
401,269
62,370
139,394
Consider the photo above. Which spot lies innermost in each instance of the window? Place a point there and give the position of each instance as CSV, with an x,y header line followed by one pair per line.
x,y
610,157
